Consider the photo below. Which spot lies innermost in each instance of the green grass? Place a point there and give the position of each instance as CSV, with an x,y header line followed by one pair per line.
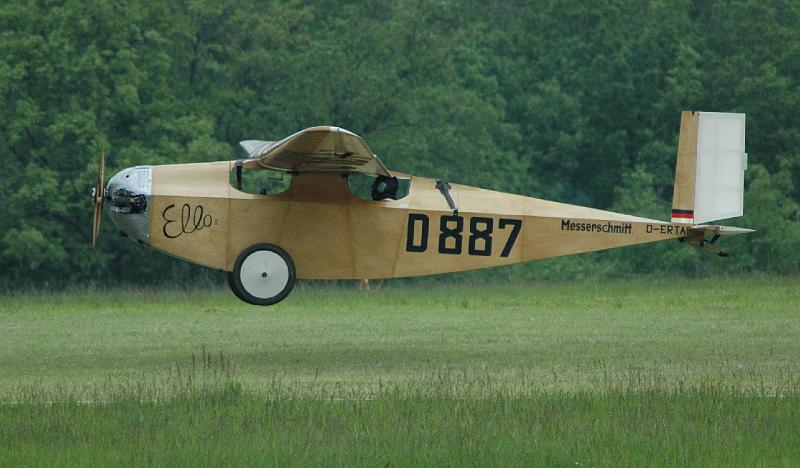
x,y
698,372
623,429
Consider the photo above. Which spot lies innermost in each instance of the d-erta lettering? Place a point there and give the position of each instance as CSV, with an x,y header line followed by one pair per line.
x,y
607,227
667,229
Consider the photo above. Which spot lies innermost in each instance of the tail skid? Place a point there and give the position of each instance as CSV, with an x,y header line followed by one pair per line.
x,y
697,237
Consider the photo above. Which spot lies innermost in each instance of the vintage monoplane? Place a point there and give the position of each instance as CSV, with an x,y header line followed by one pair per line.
x,y
318,229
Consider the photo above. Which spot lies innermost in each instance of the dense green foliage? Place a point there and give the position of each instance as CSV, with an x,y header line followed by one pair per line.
x,y
612,374
568,100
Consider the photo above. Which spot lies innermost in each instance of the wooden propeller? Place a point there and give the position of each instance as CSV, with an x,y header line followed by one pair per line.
x,y
98,195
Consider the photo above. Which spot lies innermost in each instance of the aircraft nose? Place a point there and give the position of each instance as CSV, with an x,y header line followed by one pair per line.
x,y
128,194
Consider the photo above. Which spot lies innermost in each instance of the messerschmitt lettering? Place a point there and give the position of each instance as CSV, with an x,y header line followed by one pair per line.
x,y
322,227
606,228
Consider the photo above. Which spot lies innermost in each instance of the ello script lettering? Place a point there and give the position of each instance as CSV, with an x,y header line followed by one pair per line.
x,y
190,220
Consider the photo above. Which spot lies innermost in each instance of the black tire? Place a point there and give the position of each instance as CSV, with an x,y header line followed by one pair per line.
x,y
275,282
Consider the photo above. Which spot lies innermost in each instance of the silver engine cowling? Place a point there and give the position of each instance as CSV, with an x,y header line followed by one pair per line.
x,y
128,197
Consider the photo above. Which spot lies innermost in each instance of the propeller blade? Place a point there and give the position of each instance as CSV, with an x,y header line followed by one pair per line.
x,y
98,194
98,215
101,177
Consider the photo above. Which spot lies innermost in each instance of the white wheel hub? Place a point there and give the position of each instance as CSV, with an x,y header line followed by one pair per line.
x,y
264,274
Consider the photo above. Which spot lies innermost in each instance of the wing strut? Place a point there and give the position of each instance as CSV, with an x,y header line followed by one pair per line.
x,y
444,187
238,165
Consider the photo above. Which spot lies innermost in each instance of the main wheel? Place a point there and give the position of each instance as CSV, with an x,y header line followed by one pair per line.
x,y
263,274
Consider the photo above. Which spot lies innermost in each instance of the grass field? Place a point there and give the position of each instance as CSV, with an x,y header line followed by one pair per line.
x,y
698,372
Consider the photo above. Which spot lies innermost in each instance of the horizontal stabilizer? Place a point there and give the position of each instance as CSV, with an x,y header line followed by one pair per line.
x,y
720,230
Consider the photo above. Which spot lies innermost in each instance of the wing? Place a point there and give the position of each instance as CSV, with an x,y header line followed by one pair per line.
x,y
317,149
256,147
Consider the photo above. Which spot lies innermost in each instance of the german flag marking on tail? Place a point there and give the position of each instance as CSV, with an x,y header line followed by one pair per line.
x,y
682,216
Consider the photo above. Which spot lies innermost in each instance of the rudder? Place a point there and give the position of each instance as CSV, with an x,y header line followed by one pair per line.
x,y
709,173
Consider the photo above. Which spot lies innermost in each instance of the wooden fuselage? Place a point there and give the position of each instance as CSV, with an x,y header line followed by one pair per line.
x,y
330,233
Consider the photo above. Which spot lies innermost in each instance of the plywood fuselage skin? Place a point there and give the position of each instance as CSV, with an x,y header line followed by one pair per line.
x,y
330,233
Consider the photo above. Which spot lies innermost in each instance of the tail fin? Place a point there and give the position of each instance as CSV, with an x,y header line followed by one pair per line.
x,y
709,174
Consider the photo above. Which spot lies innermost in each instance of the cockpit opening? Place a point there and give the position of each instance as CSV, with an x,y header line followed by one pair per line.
x,y
259,181
378,188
